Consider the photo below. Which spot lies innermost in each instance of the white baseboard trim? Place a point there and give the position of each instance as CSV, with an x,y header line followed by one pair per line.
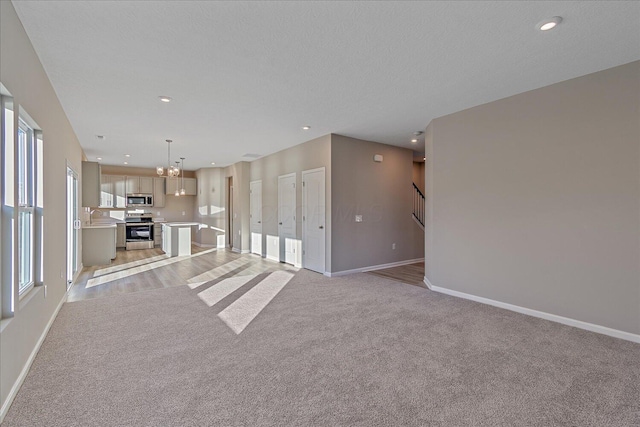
x,y
373,267
236,250
27,366
272,258
540,314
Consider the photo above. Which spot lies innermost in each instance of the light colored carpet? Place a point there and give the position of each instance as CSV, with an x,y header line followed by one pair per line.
x,y
356,350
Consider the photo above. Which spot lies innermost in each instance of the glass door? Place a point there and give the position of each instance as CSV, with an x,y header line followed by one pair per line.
x,y
73,225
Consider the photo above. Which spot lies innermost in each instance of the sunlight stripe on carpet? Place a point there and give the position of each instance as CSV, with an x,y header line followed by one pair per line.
x,y
217,272
141,269
221,290
243,310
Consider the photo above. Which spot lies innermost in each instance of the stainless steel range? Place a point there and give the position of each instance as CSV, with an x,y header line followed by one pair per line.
x,y
139,231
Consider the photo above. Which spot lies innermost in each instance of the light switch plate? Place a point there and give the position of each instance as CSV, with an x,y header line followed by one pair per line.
x,y
358,218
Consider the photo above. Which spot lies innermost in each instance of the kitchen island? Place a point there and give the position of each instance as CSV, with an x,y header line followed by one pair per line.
x,y
98,244
176,238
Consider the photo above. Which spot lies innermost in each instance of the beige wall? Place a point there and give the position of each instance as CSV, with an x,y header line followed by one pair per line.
x,y
418,175
24,76
534,200
240,173
210,207
382,193
310,155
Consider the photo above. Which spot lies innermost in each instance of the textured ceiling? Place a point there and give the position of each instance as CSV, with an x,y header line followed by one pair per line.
x,y
246,76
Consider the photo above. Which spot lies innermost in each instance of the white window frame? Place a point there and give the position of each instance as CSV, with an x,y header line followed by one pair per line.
x,y
26,206
18,201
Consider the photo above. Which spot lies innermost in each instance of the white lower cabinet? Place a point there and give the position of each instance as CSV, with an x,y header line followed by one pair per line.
x,y
98,245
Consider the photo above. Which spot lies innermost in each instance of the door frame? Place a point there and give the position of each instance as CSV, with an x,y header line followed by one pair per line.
x,y
230,211
73,265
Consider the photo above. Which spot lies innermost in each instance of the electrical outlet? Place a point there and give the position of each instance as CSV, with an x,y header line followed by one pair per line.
x,y
183,213
158,213
393,246
358,218
61,274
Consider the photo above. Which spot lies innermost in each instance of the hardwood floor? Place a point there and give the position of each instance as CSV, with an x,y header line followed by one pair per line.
x,y
412,274
139,270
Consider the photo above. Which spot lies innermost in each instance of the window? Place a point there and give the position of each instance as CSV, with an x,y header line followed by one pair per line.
x,y
26,201
21,200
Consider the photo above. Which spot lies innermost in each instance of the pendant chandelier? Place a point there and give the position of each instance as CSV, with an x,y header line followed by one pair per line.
x,y
172,171
177,193
182,191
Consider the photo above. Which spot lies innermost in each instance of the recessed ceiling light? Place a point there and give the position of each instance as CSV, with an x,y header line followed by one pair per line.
x,y
306,127
165,98
213,163
126,163
127,155
414,140
99,158
549,24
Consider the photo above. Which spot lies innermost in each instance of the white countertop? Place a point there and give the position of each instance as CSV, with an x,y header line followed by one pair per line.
x,y
100,226
181,224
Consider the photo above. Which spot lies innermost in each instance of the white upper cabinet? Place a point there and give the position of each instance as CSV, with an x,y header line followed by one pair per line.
x,y
91,188
146,185
112,191
139,185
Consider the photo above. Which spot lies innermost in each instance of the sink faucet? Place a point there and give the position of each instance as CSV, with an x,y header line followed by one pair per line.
x,y
91,217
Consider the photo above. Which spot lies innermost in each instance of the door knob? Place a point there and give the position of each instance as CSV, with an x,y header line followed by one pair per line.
x,y
280,223
259,222
321,226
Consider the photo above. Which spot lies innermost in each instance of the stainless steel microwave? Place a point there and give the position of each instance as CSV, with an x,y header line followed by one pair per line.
x,y
139,200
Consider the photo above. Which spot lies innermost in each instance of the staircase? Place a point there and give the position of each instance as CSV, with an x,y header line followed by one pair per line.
x,y
418,206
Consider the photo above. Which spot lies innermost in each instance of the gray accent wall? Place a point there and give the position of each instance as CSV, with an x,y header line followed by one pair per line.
x,y
534,200
23,75
383,194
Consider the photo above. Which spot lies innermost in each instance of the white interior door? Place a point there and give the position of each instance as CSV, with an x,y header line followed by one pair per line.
x,y
287,217
313,220
255,203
